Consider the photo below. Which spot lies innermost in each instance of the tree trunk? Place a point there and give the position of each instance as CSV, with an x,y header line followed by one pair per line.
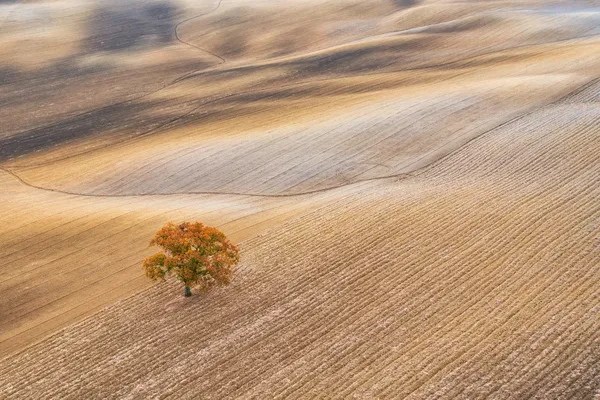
x,y
188,291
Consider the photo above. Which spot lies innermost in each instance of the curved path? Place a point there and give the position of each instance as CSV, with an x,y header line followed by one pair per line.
x,y
129,101
221,61
81,263
396,175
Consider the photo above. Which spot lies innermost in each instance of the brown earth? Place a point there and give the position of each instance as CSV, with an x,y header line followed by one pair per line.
x,y
414,186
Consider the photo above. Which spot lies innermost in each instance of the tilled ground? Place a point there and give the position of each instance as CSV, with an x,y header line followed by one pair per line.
x,y
414,186
476,278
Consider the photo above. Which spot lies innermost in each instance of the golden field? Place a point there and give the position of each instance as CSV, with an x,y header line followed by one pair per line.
x,y
413,184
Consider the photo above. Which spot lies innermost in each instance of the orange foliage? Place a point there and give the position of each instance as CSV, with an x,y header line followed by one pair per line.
x,y
199,256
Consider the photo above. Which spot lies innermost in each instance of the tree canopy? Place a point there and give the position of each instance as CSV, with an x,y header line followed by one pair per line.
x,y
199,256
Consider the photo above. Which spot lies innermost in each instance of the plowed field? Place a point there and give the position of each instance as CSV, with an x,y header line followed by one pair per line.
x,y
414,187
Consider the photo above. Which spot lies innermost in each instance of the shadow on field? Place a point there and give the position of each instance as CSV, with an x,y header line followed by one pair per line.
x,y
118,28
129,119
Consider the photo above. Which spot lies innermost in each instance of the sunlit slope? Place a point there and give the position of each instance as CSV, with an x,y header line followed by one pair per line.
x,y
478,277
66,256
471,271
589,93
433,31
83,65
314,136
124,81
62,62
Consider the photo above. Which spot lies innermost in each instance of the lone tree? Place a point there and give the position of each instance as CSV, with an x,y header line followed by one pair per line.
x,y
199,256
